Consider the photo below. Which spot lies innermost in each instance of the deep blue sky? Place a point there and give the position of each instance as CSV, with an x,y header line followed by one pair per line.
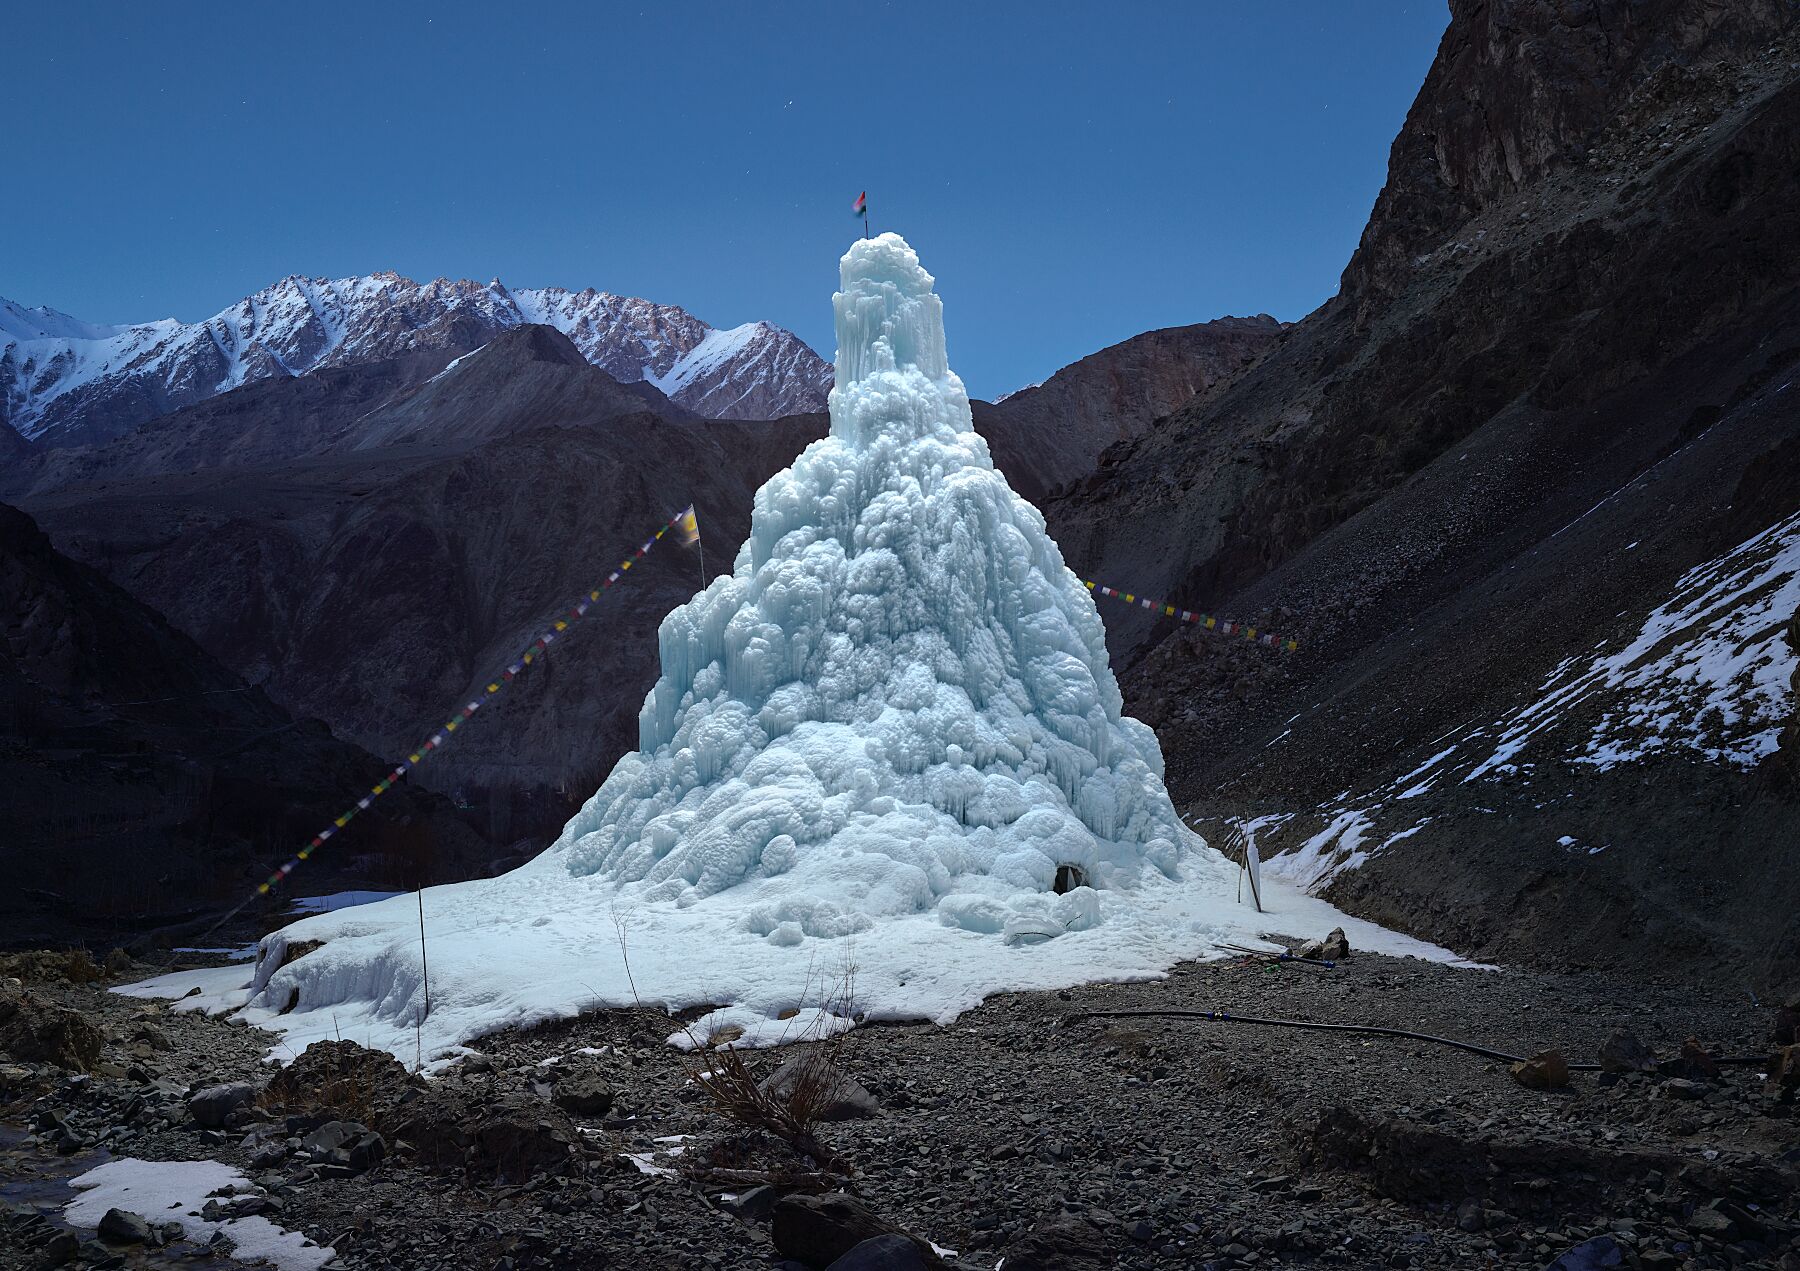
x,y
1072,174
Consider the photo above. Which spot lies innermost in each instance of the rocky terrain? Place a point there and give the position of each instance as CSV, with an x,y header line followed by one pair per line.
x,y
1030,1131
65,382
1524,493
1050,434
146,786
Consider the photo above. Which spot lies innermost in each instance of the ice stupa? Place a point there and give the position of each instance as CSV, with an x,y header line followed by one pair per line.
x,y
899,700
890,739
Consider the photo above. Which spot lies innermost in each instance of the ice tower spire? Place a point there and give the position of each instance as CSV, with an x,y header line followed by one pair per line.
x,y
900,682
888,318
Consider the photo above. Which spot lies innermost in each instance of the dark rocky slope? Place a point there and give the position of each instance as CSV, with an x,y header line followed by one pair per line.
x,y
141,781
1050,434
1555,380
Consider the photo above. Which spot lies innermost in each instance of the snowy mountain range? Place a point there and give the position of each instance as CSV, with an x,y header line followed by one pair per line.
x,y
68,382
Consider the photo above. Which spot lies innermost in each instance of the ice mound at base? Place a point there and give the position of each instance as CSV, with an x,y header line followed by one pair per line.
x,y
890,739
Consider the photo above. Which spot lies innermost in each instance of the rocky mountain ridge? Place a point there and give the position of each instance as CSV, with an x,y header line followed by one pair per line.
x,y
67,382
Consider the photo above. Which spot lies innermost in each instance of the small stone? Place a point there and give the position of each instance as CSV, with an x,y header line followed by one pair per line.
x,y
1598,1254
1622,1052
1546,1070
122,1227
1682,1088
213,1106
1468,1216
585,1093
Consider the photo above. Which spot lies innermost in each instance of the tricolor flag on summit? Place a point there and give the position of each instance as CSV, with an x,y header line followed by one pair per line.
x,y
861,206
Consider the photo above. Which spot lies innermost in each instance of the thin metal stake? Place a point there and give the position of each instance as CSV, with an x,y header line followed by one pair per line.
x,y
423,965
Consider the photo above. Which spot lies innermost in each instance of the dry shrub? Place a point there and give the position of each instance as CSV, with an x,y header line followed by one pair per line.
x,y
49,965
791,1110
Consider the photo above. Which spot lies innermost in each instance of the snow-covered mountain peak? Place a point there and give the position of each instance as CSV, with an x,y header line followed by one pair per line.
x,y
45,323
67,382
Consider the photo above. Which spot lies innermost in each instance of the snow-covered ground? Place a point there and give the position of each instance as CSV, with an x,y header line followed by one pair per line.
x,y
176,1191
885,773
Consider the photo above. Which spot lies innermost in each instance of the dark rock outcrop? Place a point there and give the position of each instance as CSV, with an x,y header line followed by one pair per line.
x,y
35,1030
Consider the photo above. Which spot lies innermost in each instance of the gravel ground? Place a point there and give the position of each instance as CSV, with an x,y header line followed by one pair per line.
x,y
1014,1132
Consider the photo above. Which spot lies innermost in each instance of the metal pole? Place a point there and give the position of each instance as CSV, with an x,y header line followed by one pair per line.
x,y
424,967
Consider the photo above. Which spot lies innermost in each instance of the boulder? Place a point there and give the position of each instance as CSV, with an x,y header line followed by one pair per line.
x,y
122,1227
886,1253
585,1093
818,1230
1622,1052
838,1096
1546,1070
35,1030
213,1106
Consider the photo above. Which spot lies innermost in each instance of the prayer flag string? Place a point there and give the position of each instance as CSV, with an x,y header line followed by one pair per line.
x,y
682,520
1223,626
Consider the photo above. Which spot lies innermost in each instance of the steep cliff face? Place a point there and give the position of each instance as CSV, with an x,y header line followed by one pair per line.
x,y
1565,342
1522,88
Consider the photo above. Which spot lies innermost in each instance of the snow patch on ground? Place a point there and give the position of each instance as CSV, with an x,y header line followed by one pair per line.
x,y
1709,670
176,1191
